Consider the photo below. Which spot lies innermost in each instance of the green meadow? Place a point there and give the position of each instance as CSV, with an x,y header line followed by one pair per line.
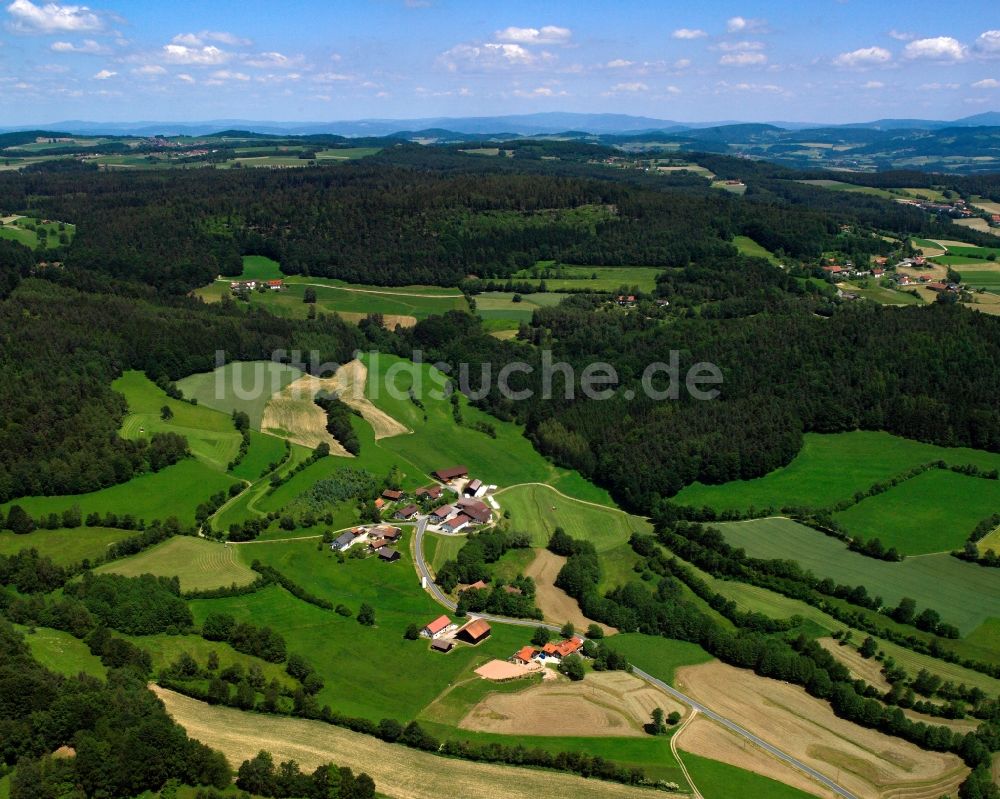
x,y
570,277
65,547
264,450
716,780
198,563
260,267
933,512
501,305
369,671
883,295
19,231
837,185
748,246
660,657
241,385
828,469
538,510
210,434
60,652
980,279
440,548
174,491
940,582
346,153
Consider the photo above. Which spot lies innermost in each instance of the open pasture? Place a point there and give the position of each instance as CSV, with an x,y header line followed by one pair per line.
x,y
198,563
60,652
264,450
336,645
748,246
870,290
837,185
241,385
260,267
865,761
65,547
25,230
491,305
538,510
210,434
660,657
570,277
977,223
940,582
933,512
174,491
830,468
398,771
346,153
351,300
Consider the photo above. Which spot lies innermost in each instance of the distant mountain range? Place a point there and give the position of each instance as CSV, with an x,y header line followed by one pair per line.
x,y
548,123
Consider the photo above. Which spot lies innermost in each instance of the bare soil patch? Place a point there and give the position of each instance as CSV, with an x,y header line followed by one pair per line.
x,y
503,670
557,606
390,321
292,414
708,739
864,761
397,771
611,703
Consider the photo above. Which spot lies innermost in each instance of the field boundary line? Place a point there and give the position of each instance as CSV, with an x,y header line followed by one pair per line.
x,y
695,793
362,291
566,496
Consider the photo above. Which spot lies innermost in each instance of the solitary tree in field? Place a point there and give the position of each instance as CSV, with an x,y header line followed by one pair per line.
x,y
309,295
366,615
166,414
541,636
656,724
568,630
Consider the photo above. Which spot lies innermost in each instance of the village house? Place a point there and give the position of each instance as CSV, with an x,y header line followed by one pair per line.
x,y
435,629
476,510
275,285
478,585
442,646
386,531
475,632
388,555
379,503
431,492
452,473
391,495
349,538
557,651
378,543
438,515
455,523
524,655
474,488
625,300
406,513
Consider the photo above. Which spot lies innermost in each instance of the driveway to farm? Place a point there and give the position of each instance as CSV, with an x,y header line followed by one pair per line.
x,y
695,705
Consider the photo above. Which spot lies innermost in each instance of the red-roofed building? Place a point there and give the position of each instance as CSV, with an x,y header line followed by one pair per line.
x,y
456,523
524,655
437,628
476,631
276,285
452,473
433,492
562,648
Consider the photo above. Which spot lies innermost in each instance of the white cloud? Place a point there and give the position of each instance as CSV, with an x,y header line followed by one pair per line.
x,y
88,46
104,74
149,70
548,34
491,56
634,86
225,74
863,57
873,84
689,33
736,47
743,59
987,83
52,18
742,24
185,78
272,60
763,88
199,39
933,87
541,91
938,48
902,36
209,55
673,90
988,44
332,77
619,63
682,63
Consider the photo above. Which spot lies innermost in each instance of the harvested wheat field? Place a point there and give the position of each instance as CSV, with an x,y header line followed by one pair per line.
x,y
556,605
397,771
932,252
708,739
292,414
976,223
390,321
869,670
611,703
349,384
864,761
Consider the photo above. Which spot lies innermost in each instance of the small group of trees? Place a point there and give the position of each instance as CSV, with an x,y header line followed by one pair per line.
x,y
259,776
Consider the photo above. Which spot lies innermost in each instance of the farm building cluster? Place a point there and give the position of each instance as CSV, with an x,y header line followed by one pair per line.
x,y
444,634
244,286
379,540
454,504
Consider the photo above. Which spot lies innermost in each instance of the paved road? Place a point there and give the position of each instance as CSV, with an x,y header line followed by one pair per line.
x,y
443,599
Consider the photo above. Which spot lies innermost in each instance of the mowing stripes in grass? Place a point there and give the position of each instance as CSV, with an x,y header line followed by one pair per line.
x,y
199,564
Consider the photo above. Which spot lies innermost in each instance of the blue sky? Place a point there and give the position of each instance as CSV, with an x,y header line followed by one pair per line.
x,y
175,60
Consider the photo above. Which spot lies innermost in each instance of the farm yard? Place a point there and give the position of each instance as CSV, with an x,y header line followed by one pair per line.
x,y
940,582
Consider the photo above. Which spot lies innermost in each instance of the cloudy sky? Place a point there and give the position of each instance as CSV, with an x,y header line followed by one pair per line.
x,y
175,60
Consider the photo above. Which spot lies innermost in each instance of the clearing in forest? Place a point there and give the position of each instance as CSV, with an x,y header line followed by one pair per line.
x,y
866,762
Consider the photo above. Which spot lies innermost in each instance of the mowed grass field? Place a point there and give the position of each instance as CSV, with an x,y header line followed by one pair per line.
x,y
260,267
748,246
198,563
174,491
65,546
837,185
828,469
60,652
933,512
264,450
369,671
18,231
717,780
538,510
241,385
570,277
657,656
941,582
210,434
496,305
